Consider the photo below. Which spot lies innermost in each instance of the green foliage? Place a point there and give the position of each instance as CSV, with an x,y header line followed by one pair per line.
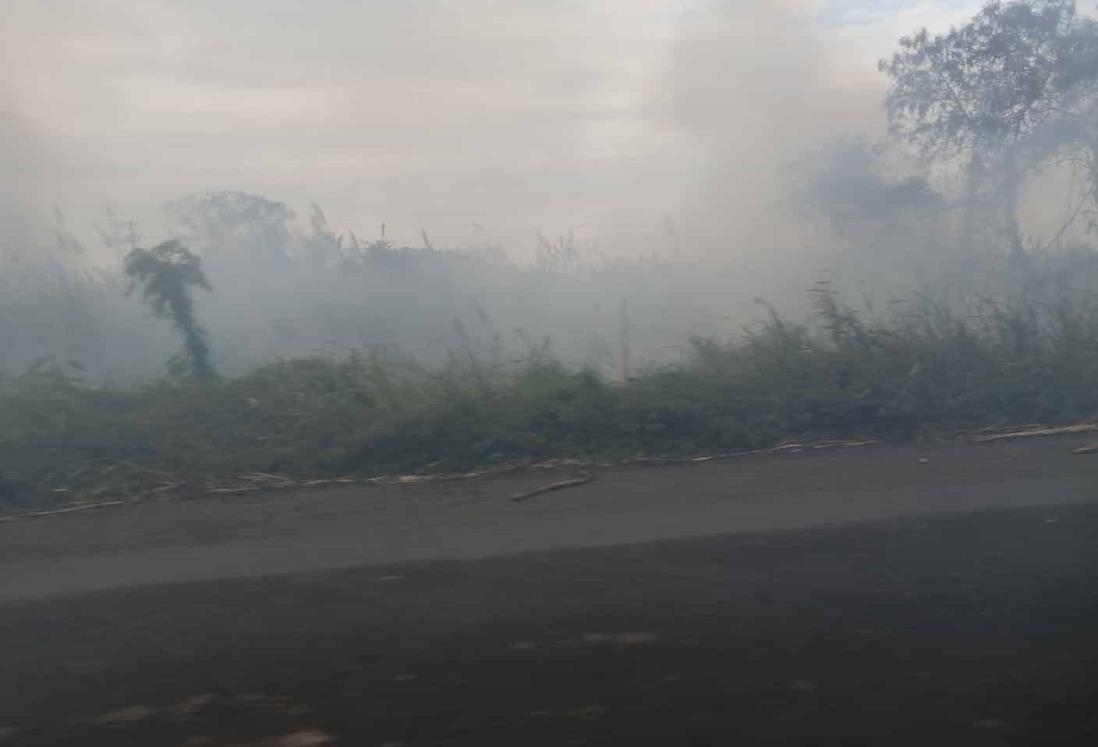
x,y
166,275
921,369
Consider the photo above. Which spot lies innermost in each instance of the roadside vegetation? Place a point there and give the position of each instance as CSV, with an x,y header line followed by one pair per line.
x,y
920,370
322,356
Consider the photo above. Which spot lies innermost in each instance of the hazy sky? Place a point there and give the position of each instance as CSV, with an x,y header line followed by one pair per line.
x,y
519,115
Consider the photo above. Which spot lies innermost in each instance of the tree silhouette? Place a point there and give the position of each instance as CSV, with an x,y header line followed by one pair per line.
x,y
982,90
166,275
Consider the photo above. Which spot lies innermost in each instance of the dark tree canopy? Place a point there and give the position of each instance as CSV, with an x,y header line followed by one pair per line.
x,y
166,274
849,187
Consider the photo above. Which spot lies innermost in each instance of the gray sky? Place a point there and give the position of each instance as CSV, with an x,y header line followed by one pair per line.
x,y
520,115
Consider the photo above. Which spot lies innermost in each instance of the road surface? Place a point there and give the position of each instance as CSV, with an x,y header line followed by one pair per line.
x,y
891,595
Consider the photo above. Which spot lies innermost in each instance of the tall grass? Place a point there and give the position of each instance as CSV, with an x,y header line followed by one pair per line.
x,y
920,368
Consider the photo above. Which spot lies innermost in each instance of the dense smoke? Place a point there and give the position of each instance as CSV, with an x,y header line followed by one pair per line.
x,y
461,118
617,176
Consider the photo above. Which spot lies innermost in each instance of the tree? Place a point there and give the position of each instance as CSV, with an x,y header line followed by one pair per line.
x,y
980,91
235,228
166,274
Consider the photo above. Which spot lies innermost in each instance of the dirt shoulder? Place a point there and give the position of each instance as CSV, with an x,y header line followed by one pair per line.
x,y
257,534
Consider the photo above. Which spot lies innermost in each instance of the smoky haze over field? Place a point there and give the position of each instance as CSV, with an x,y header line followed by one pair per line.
x,y
594,117
650,167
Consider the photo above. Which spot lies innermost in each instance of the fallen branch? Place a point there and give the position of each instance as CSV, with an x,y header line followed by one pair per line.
x,y
583,479
781,448
1039,432
69,510
126,463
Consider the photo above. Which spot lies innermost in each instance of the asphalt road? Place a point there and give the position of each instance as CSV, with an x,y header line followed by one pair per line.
x,y
897,596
